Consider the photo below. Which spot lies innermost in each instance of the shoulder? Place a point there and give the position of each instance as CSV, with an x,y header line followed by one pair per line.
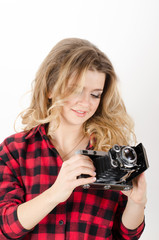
x,y
18,139
12,144
17,144
14,139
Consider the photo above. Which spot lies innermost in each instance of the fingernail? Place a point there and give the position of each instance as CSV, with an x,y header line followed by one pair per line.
x,y
94,173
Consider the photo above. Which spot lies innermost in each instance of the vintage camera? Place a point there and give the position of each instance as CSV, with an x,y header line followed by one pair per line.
x,y
116,168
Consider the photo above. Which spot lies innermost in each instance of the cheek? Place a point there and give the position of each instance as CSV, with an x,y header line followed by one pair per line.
x,y
67,105
95,105
70,102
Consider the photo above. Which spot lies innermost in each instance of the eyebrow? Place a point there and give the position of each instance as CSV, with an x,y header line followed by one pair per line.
x,y
99,89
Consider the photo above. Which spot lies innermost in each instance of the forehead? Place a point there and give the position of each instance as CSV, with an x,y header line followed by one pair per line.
x,y
94,79
89,79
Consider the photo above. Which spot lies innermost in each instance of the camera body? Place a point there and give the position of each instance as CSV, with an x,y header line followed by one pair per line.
x,y
116,168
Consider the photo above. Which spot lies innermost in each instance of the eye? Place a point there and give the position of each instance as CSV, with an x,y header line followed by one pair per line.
x,y
96,95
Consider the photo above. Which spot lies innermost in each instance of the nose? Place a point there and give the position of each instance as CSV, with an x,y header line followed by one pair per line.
x,y
84,99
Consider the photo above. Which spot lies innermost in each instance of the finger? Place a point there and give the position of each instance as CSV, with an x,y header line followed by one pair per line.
x,y
142,179
85,161
127,193
78,157
79,161
139,181
83,181
82,170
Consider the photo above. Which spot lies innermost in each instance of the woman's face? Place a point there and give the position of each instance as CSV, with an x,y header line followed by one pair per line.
x,y
80,106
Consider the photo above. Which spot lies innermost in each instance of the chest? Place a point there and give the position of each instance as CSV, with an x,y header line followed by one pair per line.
x,y
38,171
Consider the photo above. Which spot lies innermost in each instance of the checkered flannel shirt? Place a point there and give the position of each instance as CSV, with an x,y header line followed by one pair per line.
x,y
29,164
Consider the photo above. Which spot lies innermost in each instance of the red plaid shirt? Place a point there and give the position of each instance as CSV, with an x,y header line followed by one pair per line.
x,y
29,164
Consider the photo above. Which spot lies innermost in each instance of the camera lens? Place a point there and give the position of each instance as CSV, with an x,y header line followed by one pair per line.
x,y
129,156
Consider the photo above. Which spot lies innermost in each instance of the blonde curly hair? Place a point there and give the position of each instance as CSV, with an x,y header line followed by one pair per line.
x,y
71,58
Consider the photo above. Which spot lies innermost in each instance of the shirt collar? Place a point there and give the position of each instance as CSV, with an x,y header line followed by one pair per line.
x,y
33,131
42,130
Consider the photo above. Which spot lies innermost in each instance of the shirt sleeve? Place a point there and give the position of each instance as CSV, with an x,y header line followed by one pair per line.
x,y
119,230
11,195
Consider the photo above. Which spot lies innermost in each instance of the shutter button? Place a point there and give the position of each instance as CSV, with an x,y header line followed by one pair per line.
x,y
61,222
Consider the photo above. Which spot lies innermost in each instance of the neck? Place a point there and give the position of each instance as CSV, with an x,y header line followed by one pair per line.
x,y
67,140
65,134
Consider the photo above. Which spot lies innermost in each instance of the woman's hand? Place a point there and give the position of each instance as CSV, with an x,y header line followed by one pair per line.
x,y
133,214
138,193
32,212
67,179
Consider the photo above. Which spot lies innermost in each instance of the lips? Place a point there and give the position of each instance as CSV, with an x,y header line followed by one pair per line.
x,y
79,113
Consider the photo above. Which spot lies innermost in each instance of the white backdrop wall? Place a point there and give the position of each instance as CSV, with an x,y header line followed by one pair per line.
x,y
126,30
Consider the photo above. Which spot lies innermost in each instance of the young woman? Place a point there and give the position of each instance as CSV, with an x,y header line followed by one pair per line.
x,y
75,105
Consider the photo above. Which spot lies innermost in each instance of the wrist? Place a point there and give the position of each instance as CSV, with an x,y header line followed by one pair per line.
x,y
133,214
137,203
52,197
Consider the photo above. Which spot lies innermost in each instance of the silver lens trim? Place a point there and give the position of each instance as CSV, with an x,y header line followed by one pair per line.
x,y
128,162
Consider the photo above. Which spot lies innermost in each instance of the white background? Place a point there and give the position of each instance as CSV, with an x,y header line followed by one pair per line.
x,y
126,30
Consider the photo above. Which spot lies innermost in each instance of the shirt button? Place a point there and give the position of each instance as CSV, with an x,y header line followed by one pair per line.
x,y
61,222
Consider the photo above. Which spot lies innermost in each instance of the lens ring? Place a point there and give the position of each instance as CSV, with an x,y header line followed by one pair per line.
x,y
116,148
129,156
